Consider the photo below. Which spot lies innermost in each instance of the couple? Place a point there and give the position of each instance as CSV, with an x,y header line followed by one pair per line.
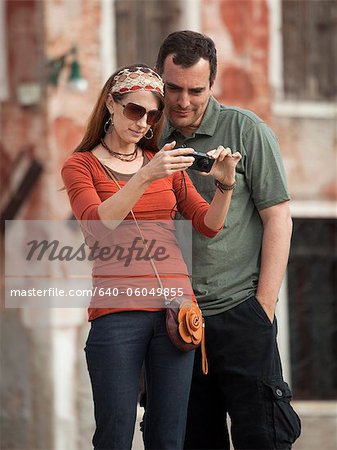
x,y
131,159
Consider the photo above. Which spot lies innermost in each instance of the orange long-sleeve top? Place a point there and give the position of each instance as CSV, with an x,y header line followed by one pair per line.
x,y
88,186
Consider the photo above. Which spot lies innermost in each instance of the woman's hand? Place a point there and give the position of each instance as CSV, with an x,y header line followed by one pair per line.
x,y
223,168
168,161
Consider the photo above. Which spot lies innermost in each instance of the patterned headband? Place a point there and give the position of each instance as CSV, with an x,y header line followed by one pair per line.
x,y
137,78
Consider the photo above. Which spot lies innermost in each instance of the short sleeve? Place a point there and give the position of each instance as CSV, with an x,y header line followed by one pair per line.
x,y
263,165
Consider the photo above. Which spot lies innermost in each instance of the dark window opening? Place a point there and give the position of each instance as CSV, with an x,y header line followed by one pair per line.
x,y
312,284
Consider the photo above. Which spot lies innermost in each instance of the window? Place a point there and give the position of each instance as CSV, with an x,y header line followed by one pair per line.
x,y
309,30
141,26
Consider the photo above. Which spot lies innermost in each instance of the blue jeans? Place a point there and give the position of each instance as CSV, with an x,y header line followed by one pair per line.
x,y
116,348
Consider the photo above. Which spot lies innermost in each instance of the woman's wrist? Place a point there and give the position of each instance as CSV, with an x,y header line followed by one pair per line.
x,y
143,176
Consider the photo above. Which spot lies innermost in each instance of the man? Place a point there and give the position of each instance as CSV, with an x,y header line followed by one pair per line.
x,y
237,275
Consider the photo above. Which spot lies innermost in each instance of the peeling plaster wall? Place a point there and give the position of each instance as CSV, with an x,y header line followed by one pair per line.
x,y
45,392
241,34
309,148
70,23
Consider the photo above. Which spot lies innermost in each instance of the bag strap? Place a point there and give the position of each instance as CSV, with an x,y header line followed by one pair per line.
x,y
167,301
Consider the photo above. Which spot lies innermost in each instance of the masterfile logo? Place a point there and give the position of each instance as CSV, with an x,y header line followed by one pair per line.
x,y
70,263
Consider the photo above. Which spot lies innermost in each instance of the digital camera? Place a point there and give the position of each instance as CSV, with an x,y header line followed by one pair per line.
x,y
202,162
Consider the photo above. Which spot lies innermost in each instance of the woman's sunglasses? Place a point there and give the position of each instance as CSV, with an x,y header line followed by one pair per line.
x,y
135,112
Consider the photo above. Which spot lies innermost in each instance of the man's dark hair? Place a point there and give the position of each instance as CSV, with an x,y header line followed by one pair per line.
x,y
187,47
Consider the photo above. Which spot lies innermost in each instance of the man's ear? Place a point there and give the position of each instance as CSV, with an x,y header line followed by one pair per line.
x,y
110,103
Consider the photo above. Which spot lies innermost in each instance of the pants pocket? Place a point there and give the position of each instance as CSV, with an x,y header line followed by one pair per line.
x,y
260,312
285,421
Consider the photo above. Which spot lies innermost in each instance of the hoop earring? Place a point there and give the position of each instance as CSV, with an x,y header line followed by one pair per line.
x,y
149,137
107,125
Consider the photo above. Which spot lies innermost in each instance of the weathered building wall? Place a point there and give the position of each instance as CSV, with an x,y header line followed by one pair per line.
x,y
241,34
45,389
22,126
70,23
309,149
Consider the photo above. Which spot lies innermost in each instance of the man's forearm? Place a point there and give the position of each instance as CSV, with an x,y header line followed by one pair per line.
x,y
277,225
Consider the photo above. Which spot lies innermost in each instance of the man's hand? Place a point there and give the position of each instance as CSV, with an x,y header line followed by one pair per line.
x,y
223,168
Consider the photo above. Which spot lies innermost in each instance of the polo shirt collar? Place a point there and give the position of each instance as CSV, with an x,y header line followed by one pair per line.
x,y
208,124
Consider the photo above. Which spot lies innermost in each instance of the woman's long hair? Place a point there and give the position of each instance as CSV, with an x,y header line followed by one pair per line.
x,y
100,115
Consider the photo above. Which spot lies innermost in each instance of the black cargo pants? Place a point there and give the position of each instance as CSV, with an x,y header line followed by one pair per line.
x,y
245,381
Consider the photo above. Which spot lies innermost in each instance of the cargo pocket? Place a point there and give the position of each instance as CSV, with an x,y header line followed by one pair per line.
x,y
286,423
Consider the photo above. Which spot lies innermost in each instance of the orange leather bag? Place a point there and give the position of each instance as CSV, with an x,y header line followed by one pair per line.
x,y
185,327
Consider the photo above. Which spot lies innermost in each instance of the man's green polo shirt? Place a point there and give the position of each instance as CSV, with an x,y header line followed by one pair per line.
x,y
226,268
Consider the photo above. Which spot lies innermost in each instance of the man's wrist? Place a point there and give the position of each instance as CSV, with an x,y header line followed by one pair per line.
x,y
223,186
266,300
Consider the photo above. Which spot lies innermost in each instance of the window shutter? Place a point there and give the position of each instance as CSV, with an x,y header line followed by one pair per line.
x,y
310,49
141,26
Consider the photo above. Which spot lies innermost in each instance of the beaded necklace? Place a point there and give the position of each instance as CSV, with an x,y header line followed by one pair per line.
x,y
126,157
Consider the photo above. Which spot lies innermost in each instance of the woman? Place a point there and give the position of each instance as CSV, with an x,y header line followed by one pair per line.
x,y
121,142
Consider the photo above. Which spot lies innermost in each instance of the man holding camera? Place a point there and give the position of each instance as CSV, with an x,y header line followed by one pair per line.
x,y
236,276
